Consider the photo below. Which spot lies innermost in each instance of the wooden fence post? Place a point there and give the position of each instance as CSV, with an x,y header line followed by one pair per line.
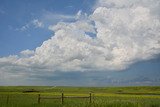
x,y
90,97
7,99
62,98
93,97
39,98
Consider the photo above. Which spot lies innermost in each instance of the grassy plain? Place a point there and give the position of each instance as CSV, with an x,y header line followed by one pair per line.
x,y
146,96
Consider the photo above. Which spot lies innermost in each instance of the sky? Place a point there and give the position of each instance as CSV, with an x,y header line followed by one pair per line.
x,y
80,42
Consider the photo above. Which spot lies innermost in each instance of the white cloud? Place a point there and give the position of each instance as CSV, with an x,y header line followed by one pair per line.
x,y
126,32
27,52
80,15
23,28
35,23
52,18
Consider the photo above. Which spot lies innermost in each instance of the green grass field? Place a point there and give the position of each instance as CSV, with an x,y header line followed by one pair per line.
x,y
14,96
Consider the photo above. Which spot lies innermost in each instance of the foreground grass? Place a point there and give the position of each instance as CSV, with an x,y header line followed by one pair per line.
x,y
103,97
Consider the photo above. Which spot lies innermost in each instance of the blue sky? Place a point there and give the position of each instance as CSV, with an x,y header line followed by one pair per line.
x,y
16,14
39,43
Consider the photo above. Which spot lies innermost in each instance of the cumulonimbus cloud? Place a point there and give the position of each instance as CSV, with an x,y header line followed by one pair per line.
x,y
125,31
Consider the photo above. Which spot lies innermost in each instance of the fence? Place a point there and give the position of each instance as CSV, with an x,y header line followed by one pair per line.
x,y
62,97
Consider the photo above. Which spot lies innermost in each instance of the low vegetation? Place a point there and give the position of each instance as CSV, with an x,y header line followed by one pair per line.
x,y
26,96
